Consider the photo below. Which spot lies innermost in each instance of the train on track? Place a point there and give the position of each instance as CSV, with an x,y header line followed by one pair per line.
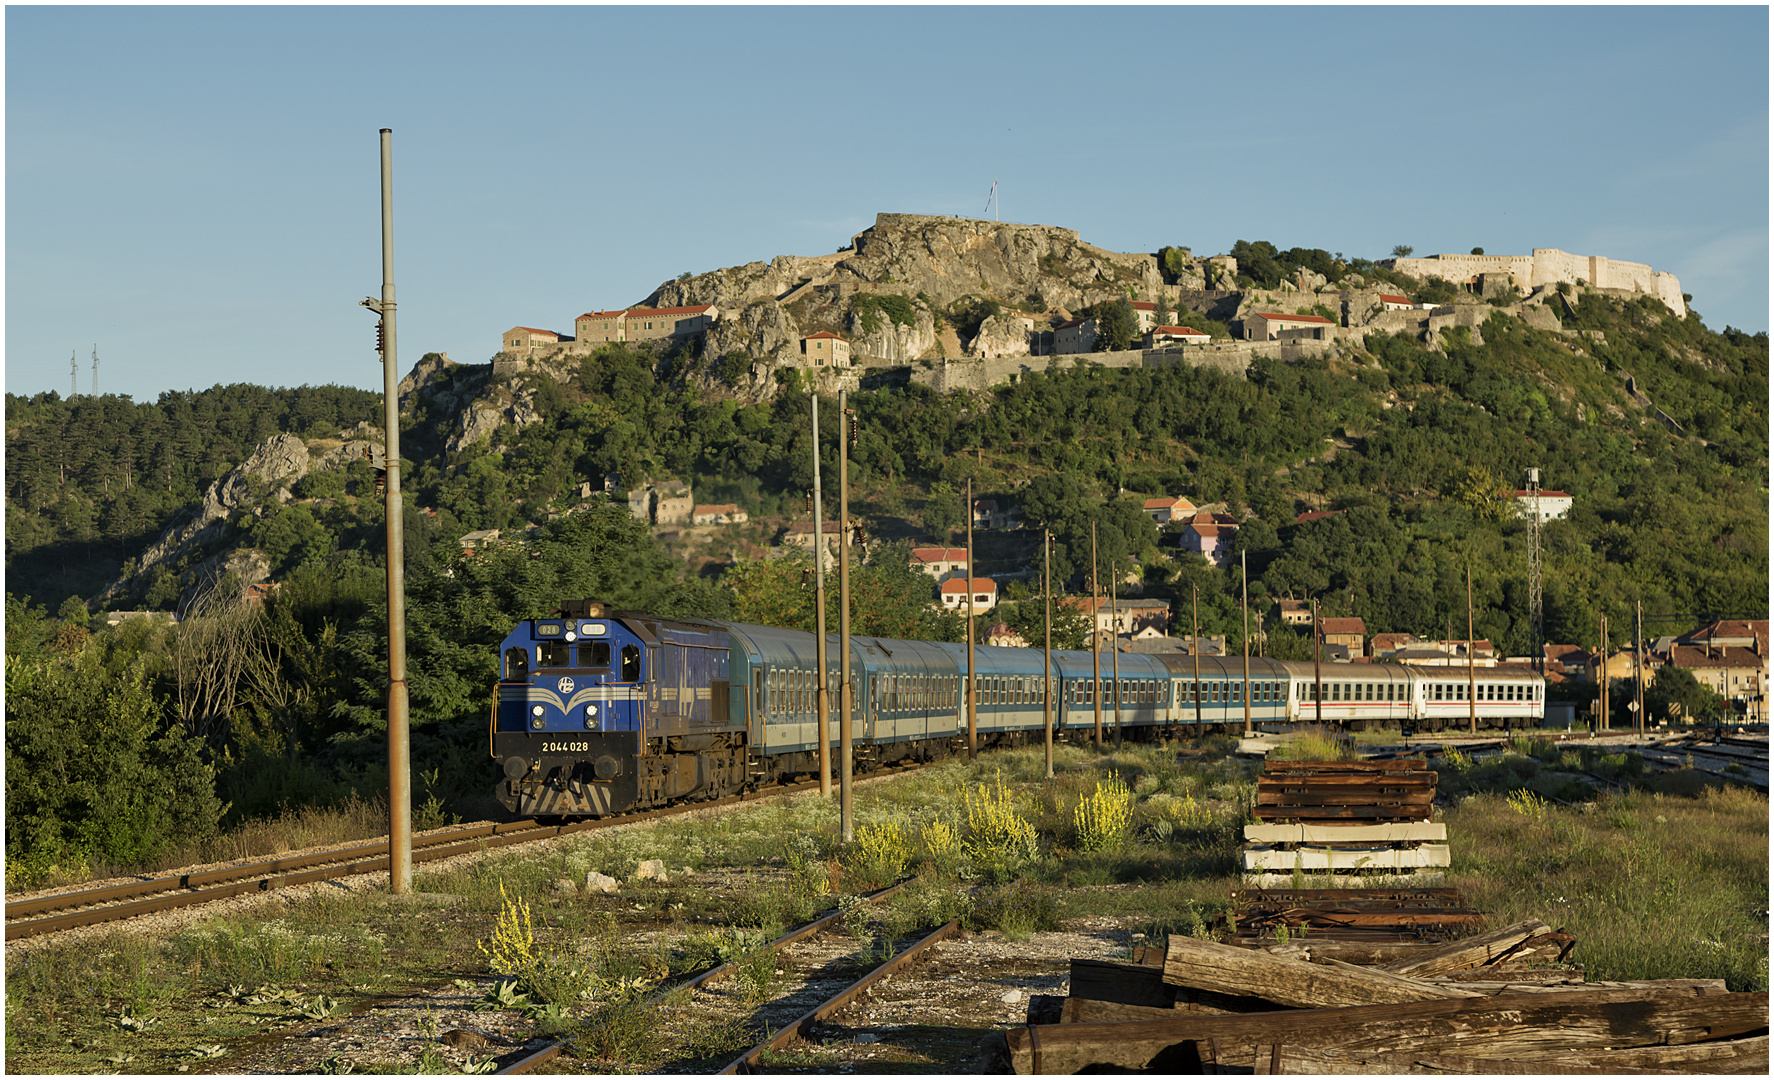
x,y
602,712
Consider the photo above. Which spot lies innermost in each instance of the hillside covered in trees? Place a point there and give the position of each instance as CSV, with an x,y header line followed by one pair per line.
x,y
1416,444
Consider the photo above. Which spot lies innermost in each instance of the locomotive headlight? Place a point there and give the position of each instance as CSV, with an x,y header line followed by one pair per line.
x,y
536,710
570,636
536,724
536,717
591,718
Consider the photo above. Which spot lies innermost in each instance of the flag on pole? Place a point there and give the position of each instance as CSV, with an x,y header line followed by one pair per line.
x,y
992,199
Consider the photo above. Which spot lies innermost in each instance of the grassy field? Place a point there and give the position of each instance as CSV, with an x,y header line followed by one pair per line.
x,y
1665,877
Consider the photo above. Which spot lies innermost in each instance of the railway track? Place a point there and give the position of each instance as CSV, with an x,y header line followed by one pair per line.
x,y
89,907
532,1061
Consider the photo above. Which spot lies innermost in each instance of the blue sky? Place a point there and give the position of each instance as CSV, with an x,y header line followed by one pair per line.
x,y
195,189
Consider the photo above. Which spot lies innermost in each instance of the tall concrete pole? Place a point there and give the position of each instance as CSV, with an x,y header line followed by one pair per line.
x,y
1047,658
1471,678
824,701
972,687
1115,653
1195,651
846,699
400,778
1317,669
1638,671
1244,575
1096,639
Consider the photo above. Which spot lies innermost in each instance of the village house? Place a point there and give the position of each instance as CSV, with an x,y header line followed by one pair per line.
x,y
1742,633
1737,674
1393,302
1145,313
1384,645
1295,612
941,563
718,514
1446,654
600,327
825,349
1551,505
1315,515
1272,325
1075,336
475,542
1131,617
1570,661
1210,536
1350,632
527,338
1160,336
954,594
1168,507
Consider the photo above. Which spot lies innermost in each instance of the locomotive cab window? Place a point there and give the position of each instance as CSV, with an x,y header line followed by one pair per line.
x,y
594,654
517,664
631,663
552,654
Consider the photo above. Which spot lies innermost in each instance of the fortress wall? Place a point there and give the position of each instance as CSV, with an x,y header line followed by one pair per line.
x,y
1458,268
1549,266
1233,358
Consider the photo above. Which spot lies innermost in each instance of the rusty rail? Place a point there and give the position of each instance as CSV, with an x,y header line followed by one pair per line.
x,y
168,893
748,1061
553,1050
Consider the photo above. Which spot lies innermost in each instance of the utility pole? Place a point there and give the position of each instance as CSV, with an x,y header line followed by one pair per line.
x,y
1115,655
824,700
845,696
1317,670
1602,649
972,711
1244,575
1638,670
1047,657
1471,647
1536,609
1096,639
1195,651
400,780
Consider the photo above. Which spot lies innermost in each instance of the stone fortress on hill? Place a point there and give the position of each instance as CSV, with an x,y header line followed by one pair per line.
x,y
885,302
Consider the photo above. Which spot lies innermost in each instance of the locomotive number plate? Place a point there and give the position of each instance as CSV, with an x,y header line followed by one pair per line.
x,y
565,747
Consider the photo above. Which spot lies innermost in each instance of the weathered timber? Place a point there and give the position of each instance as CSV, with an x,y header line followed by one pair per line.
x,y
1389,833
1127,984
1341,798
1468,952
1345,857
1389,780
1285,1060
1333,917
1227,969
1508,1027
1701,986
1429,897
1401,765
1727,1056
1417,812
1547,976
1369,953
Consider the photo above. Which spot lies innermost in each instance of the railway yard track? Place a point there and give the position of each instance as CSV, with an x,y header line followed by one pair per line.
x,y
54,912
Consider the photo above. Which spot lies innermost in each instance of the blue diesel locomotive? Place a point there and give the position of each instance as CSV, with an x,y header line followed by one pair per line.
x,y
602,712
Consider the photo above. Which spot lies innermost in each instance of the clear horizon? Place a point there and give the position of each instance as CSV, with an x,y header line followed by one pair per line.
x,y
195,190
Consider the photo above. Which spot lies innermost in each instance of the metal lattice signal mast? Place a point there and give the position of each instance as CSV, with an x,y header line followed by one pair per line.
x,y
95,369
1536,611
73,374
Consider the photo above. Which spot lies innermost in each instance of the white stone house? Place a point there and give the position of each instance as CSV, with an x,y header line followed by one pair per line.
x,y
1160,336
523,339
954,594
1075,336
1169,507
719,514
1269,325
825,349
1394,302
941,563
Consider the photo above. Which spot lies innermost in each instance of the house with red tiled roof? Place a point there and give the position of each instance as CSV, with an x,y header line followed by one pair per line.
x,y
1737,674
941,563
1571,661
954,594
1315,515
825,349
652,324
600,327
1168,508
1348,631
1385,644
1295,612
1210,536
1160,336
524,339
1743,633
1271,325
1550,505
1393,302
1146,314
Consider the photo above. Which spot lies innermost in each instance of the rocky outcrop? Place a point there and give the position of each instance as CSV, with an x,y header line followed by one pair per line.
x,y
1002,335
891,343
948,258
763,330
739,286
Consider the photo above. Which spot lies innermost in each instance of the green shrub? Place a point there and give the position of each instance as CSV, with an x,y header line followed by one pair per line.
x,y
1017,909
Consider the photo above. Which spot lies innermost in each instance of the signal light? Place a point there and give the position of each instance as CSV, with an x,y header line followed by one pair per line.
x,y
855,431
381,338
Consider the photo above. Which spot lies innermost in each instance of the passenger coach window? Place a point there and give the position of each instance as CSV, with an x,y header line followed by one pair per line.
x,y
517,664
594,654
631,663
552,654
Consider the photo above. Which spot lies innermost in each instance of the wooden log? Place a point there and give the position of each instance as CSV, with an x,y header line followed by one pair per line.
x,y
1547,976
1323,814
1313,797
1227,969
1366,953
1404,917
1468,952
1284,1060
1400,765
1390,833
1075,1010
1346,857
1701,986
1392,778
1434,897
1507,1027
1128,984
1741,1056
